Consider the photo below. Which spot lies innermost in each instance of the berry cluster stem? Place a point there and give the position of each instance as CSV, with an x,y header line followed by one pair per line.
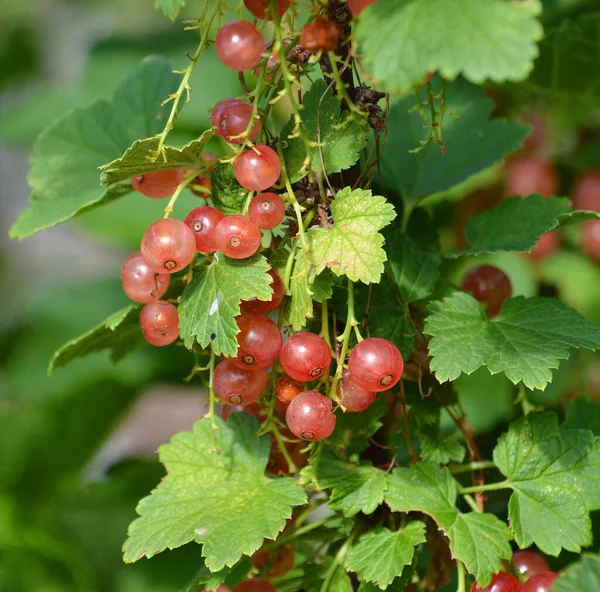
x,y
184,85
211,401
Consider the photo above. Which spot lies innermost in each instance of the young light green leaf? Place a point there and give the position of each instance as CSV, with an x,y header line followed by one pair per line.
x,y
336,139
299,305
554,474
473,143
137,159
580,576
211,301
120,333
517,224
187,504
525,341
170,8
64,172
412,272
356,487
583,415
480,541
352,246
404,39
381,555
227,194
340,582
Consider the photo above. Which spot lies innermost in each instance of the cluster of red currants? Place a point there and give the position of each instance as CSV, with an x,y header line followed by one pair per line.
x,y
533,575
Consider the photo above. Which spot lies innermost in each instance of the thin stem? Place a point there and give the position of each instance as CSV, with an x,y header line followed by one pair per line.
x,y
343,93
184,86
325,323
472,503
298,533
287,77
338,560
462,583
186,181
485,487
474,466
345,339
292,466
211,403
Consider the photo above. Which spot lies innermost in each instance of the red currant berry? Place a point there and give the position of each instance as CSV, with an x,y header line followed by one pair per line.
x,y
237,386
536,139
591,238
527,563
168,246
158,184
354,398
266,210
203,180
203,222
279,560
139,282
530,174
357,6
259,342
259,8
310,417
258,168
287,389
501,582
375,364
253,409
160,323
256,306
305,356
231,117
541,582
239,45
489,285
237,236
548,244
320,35
254,585
586,193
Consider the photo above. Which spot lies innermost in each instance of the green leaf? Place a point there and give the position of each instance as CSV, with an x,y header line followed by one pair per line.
x,y
170,8
137,159
583,575
381,555
567,57
208,580
517,224
480,541
64,172
583,415
404,39
525,341
336,139
211,301
473,143
227,194
554,474
356,487
353,430
413,273
353,245
189,502
340,582
120,333
440,448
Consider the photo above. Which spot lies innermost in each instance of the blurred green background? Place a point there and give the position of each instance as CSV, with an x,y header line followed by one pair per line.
x,y
70,473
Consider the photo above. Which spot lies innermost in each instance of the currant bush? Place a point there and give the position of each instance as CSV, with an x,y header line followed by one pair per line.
x,y
380,408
